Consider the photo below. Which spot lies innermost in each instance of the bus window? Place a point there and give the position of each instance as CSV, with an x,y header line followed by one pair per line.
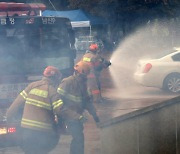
x,y
54,41
29,48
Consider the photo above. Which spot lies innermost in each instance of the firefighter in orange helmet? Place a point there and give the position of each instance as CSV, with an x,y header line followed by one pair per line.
x,y
97,64
40,103
73,91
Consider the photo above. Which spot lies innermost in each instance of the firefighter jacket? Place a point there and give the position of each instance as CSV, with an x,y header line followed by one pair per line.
x,y
40,102
73,91
95,61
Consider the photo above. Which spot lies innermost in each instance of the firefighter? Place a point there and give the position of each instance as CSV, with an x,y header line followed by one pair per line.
x,y
97,64
40,103
73,91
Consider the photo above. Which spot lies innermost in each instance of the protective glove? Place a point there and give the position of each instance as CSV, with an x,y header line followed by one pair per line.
x,y
83,119
56,119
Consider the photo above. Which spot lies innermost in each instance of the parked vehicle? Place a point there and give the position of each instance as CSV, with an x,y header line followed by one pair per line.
x,y
162,73
9,132
28,44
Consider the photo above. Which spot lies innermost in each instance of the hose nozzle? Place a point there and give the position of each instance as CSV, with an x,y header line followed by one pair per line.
x,y
107,63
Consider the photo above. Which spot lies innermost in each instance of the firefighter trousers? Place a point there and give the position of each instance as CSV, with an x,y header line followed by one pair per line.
x,y
75,128
94,87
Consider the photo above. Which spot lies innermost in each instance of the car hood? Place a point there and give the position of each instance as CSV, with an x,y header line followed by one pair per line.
x,y
164,59
142,61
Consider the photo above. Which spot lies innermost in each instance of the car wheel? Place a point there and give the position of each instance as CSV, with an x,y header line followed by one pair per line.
x,y
172,83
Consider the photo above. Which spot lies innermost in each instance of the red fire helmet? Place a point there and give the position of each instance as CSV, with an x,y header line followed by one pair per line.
x,y
93,47
51,71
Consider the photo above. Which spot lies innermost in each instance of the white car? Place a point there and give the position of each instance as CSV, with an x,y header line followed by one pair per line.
x,y
162,73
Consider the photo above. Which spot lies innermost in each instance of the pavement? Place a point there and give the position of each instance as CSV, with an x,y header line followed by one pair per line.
x,y
112,106
115,104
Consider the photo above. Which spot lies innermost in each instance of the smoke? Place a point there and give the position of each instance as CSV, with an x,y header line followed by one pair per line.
x,y
151,41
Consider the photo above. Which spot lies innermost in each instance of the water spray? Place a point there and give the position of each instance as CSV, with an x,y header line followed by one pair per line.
x,y
145,43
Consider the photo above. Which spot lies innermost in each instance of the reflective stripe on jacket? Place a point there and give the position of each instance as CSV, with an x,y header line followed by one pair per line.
x,y
93,60
69,96
41,102
75,96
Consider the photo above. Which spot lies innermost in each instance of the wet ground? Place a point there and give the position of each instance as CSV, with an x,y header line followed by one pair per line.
x,y
113,106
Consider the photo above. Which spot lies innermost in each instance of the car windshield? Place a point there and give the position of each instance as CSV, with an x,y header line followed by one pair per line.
x,y
164,53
